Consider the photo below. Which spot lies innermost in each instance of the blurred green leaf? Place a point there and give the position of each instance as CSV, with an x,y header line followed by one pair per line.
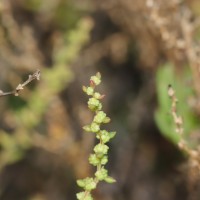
x,y
165,76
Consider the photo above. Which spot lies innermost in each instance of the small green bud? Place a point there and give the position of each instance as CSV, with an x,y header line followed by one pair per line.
x,y
101,149
94,160
104,160
101,174
94,104
90,184
99,117
109,179
96,79
97,95
81,196
89,91
105,136
99,107
87,183
94,127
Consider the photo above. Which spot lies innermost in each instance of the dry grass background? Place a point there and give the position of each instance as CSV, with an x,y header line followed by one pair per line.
x,y
43,149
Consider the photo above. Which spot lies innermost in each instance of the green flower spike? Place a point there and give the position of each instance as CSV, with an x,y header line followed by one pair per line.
x,y
100,155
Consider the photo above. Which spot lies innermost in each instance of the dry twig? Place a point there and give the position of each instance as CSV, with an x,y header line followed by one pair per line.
x,y
193,154
21,86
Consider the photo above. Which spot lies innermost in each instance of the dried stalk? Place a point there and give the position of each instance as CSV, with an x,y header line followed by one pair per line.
x,y
193,154
21,86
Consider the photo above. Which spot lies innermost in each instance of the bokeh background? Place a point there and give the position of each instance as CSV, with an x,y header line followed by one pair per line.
x,y
139,47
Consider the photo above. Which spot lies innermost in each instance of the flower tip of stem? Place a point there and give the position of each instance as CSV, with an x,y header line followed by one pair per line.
x,y
98,74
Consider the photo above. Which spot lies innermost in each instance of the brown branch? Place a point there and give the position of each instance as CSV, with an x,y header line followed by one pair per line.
x,y
21,86
177,118
183,145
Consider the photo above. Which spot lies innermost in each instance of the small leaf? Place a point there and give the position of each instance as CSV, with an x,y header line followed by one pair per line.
x,y
106,120
98,75
109,179
84,88
81,183
87,128
112,134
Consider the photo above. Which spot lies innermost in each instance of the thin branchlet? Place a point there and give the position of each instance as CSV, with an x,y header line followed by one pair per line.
x,y
177,118
178,121
16,91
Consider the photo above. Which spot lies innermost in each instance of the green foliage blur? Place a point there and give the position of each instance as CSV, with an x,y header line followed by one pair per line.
x,y
27,112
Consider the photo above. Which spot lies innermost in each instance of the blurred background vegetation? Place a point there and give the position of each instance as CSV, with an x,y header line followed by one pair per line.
x,y
139,47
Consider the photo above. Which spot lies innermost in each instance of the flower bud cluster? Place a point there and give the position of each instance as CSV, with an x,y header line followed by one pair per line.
x,y
100,155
